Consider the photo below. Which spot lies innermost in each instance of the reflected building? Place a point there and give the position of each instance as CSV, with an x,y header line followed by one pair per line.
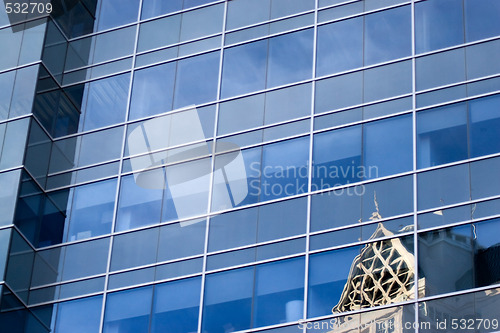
x,y
210,166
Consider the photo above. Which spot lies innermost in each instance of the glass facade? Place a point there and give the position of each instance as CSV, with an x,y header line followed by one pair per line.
x,y
272,166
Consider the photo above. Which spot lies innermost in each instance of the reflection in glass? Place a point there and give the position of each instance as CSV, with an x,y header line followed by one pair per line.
x,y
79,316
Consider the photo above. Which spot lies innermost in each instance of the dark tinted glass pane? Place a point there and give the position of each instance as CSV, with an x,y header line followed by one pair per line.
x,y
128,311
438,24
486,253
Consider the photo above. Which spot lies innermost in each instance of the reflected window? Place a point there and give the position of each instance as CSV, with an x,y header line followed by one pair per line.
x,y
442,135
128,311
438,24
176,306
79,316
92,210
486,253
481,19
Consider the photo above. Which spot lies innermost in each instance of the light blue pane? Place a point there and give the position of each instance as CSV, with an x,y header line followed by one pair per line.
x,y
438,24
328,273
151,8
279,292
441,135
484,126
181,239
196,80
241,225
79,316
245,12
134,249
11,46
241,113
440,69
387,81
284,169
7,84
335,209
158,33
273,217
92,210
443,186
340,46
105,101
244,68
337,157
290,58
228,300
481,19
281,8
128,311
114,13
137,205
479,59
176,306
388,147
339,92
152,91
288,103
94,253
202,22
387,35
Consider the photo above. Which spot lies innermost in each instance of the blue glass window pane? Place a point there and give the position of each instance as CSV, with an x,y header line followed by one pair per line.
x,y
486,267
105,102
176,306
484,182
484,126
152,91
228,300
337,157
114,13
79,316
290,58
93,253
279,292
438,24
441,135
196,80
7,83
440,69
339,92
181,239
284,169
388,147
134,249
387,35
151,8
481,19
443,186
137,206
335,209
340,46
245,12
328,273
92,210
128,311
244,68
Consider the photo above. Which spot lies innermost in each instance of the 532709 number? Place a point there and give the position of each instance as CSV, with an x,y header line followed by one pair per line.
x,y
28,8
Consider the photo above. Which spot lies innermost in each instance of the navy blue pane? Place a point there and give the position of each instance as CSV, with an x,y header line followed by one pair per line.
x,y
441,135
340,46
484,126
128,311
481,19
387,35
244,69
176,306
79,316
290,58
438,24
152,91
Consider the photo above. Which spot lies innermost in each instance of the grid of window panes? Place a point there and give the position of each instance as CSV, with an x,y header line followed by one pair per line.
x,y
366,134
